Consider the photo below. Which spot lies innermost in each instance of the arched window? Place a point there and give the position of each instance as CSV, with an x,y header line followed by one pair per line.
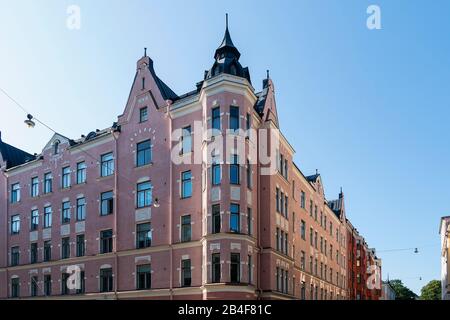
x,y
56,147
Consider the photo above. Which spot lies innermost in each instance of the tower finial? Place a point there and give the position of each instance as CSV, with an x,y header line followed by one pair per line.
x,y
145,52
226,20
267,74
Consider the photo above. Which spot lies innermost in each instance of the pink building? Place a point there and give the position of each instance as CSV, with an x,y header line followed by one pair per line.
x,y
114,207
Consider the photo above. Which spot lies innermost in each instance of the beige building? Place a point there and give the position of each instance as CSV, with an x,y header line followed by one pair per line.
x,y
444,231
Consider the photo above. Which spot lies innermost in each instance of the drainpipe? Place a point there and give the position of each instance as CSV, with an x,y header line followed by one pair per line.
x,y
258,206
115,133
6,232
168,104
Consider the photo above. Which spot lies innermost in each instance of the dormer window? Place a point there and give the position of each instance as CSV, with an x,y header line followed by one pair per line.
x,y
143,114
56,147
143,83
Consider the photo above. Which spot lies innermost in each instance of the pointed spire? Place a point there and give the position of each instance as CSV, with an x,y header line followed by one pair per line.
x,y
268,76
227,46
145,52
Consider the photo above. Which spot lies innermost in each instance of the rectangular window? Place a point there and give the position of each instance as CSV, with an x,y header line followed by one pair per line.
x,y
286,206
186,276
107,165
277,199
48,183
34,220
34,286
234,218
48,285
81,248
81,209
216,174
15,287
215,119
65,215
234,169
47,251
303,230
33,253
64,289
235,267
216,218
106,280
15,193
144,277
315,213
106,241
143,235
186,184
144,194
248,122
250,269
234,118
186,228
303,200
186,140
302,260
315,240
311,236
249,175
34,187
82,288
311,208
65,248
65,180
215,264
47,217
143,114
107,203
144,153
81,172
15,224
249,222
15,256
278,239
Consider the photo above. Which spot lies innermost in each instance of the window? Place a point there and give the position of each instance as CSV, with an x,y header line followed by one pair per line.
x,y
106,242
81,172
249,222
277,199
302,260
15,224
303,229
235,267
143,83
303,290
186,228
249,175
248,121
15,287
311,236
215,173
234,218
303,200
143,235
311,264
56,147
282,203
286,206
144,194
311,208
315,213
48,183
106,280
47,217
15,256
234,169
65,183
107,165
82,287
33,252
216,218
331,228
215,119
186,184
65,218
278,239
81,248
186,140
215,264
250,269
186,276
64,289
81,209
48,285
234,118
34,286
285,169
144,277
144,153
65,248
315,240
107,203
34,220
34,187
143,114
15,193
47,251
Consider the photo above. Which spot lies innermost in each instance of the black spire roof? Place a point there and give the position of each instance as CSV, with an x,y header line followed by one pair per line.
x,y
227,59
13,156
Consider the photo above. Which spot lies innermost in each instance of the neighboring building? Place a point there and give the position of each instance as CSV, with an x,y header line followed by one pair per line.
x,y
388,292
444,232
137,225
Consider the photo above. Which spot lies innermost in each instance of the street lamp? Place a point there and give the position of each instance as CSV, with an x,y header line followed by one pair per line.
x,y
29,121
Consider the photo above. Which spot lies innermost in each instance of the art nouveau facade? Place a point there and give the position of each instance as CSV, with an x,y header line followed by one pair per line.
x,y
116,207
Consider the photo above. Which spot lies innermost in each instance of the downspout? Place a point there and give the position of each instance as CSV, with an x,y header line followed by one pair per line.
x,y
168,104
6,232
258,206
116,209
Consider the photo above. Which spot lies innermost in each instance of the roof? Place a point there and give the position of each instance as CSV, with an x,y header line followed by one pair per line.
x,y
14,156
336,206
313,178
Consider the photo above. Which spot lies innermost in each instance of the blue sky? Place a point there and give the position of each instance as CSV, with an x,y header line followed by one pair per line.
x,y
368,108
